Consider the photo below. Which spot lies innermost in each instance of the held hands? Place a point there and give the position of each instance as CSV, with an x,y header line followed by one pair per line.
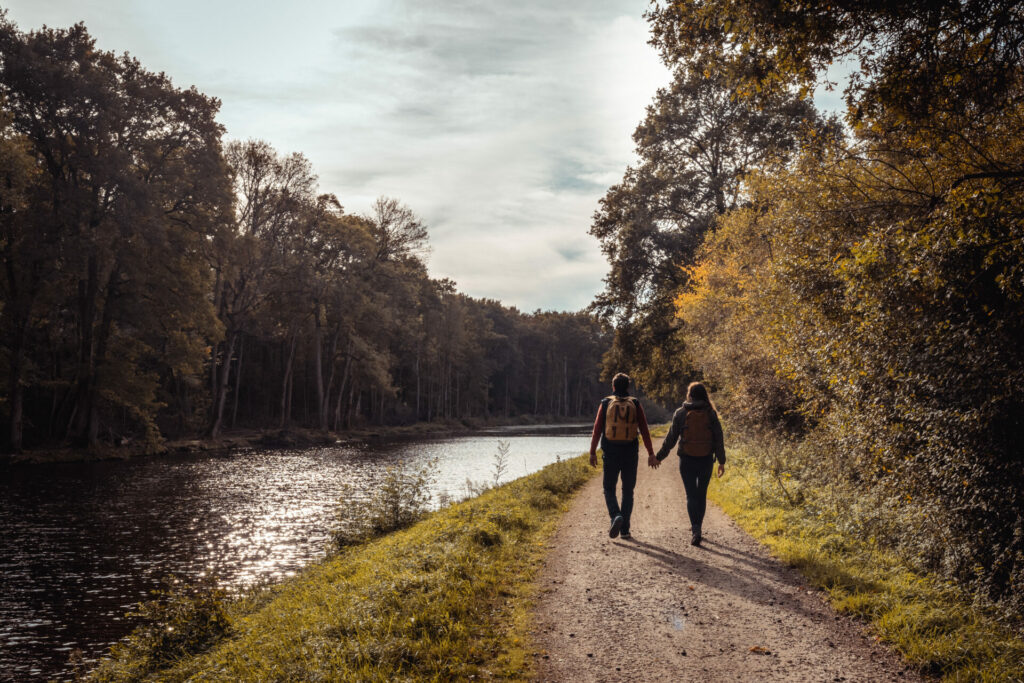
x,y
653,461
593,459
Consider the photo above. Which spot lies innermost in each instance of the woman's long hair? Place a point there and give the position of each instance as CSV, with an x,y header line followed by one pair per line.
x,y
698,392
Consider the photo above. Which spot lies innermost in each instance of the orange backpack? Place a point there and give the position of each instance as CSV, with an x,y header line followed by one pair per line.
x,y
697,439
621,422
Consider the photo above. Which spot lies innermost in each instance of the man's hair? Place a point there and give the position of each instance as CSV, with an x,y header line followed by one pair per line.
x,y
620,383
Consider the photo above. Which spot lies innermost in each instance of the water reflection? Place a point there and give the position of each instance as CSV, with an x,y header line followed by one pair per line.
x,y
81,544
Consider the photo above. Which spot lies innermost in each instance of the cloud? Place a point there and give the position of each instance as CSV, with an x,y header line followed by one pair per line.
x,y
501,124
503,129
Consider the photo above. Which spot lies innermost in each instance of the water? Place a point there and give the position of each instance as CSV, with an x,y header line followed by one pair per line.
x,y
82,543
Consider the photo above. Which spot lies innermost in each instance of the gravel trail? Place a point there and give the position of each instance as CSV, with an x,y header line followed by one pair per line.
x,y
654,608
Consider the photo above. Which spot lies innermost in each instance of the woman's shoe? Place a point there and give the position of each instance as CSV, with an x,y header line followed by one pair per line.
x,y
616,525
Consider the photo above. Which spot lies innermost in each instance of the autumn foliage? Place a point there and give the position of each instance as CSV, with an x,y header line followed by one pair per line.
x,y
864,298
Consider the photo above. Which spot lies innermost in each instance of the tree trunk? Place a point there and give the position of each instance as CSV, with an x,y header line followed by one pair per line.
x,y
217,296
222,386
348,406
565,384
17,402
92,424
536,390
238,380
286,384
16,387
344,380
88,291
21,312
318,369
324,406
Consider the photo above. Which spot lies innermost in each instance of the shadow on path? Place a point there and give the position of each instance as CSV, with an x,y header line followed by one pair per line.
x,y
759,585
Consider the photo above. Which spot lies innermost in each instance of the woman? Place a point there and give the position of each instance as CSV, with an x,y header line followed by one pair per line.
x,y
699,432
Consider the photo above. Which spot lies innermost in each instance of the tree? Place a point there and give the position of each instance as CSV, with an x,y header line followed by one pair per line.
x,y
27,253
399,234
878,279
131,166
696,144
253,261
156,284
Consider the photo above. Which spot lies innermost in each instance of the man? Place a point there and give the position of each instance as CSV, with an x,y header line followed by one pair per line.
x,y
620,419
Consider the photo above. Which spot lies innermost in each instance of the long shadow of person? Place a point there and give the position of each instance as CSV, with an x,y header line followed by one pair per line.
x,y
766,581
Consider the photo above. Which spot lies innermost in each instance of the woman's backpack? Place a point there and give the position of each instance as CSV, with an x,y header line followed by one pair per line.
x,y
697,439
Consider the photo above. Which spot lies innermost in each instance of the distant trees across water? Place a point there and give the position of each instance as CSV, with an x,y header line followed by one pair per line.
x,y
159,282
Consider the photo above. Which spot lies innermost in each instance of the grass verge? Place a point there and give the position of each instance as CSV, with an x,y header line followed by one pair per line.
x,y
936,627
447,598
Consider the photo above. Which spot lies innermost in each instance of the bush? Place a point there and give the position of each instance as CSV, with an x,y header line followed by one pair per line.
x,y
180,622
400,500
860,548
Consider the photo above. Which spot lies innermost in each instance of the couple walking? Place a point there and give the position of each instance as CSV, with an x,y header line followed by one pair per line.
x,y
621,420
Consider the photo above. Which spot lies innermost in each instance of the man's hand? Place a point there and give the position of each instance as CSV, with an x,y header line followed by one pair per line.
x,y
721,470
653,461
593,460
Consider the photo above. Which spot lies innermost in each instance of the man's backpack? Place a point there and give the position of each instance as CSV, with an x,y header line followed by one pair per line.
x,y
621,421
697,441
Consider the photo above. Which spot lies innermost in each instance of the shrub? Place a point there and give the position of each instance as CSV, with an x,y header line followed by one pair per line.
x,y
399,500
179,622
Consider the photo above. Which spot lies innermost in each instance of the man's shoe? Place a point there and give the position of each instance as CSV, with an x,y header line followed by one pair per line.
x,y
695,539
616,525
626,535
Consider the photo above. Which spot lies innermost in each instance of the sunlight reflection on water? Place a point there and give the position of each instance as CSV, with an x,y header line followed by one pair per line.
x,y
81,544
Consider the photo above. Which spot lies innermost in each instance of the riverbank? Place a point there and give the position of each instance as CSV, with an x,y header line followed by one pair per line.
x,y
293,437
937,628
447,598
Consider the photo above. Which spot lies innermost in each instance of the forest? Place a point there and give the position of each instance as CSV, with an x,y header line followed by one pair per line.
x,y
851,284
161,280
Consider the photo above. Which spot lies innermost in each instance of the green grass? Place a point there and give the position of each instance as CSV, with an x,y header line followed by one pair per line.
x,y
936,627
660,430
447,598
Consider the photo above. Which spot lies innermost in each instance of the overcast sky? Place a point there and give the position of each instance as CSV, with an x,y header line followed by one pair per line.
x,y
501,124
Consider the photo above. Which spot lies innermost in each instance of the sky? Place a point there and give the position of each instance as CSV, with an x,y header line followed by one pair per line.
x,y
500,124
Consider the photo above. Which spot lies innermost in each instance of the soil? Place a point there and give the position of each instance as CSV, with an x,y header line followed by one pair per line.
x,y
655,608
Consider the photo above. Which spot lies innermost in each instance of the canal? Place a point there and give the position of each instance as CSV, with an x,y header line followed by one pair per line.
x,y
82,543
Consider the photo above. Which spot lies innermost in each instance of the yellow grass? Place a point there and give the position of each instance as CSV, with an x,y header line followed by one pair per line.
x,y
936,627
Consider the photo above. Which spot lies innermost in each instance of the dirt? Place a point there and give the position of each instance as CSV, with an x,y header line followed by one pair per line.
x,y
655,608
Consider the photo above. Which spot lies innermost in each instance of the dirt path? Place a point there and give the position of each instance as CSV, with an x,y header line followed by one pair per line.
x,y
655,608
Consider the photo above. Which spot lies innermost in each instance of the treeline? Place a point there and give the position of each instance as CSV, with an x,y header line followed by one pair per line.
x,y
854,288
161,282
